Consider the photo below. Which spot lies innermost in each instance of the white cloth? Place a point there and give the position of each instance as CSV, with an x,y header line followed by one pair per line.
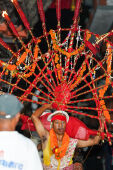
x,y
18,152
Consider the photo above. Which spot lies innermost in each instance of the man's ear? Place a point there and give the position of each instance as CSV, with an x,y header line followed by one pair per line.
x,y
17,117
51,125
15,120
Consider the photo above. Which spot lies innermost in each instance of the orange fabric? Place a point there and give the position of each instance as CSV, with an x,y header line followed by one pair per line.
x,y
58,151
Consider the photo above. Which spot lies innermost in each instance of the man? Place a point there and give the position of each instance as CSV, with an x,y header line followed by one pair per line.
x,y
57,147
17,152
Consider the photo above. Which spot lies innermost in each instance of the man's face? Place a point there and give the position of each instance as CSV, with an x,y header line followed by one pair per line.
x,y
59,127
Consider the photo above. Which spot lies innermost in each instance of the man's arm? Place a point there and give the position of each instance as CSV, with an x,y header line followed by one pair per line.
x,y
92,141
42,132
89,142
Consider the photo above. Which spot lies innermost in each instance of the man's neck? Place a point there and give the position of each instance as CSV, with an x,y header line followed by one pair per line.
x,y
59,138
5,125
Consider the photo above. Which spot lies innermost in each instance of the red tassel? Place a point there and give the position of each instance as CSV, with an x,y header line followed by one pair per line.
x,y
4,44
41,11
21,13
78,3
5,15
58,9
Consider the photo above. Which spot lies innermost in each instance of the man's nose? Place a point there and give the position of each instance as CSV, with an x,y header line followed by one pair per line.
x,y
61,125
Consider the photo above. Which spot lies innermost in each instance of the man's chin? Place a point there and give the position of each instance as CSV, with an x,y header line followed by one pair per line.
x,y
61,132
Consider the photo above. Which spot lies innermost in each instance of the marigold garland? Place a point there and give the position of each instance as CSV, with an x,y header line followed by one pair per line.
x,y
34,64
87,35
13,67
68,54
79,77
58,66
102,91
57,48
58,151
23,57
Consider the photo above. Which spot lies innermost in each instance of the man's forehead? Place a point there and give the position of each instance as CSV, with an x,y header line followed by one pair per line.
x,y
58,120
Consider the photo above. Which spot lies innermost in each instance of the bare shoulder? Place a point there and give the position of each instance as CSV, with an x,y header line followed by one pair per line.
x,y
42,132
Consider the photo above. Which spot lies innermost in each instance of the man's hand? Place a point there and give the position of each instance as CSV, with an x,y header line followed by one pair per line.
x,y
48,106
40,110
102,120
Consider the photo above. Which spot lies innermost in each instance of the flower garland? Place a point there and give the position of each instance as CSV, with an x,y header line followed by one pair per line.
x,y
102,91
33,66
87,36
58,151
64,52
13,67
23,57
79,77
68,54
58,66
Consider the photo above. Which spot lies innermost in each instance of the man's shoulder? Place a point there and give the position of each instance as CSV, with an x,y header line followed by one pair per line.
x,y
24,139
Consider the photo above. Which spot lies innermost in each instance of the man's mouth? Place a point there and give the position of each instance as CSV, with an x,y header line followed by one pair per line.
x,y
61,129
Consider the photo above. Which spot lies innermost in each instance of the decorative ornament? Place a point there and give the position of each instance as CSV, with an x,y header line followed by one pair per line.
x,y
69,73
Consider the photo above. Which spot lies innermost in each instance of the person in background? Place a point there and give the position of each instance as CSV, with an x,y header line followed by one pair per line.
x,y
58,148
17,152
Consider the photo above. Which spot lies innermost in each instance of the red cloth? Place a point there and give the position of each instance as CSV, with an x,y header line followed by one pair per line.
x,y
59,117
27,123
75,128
